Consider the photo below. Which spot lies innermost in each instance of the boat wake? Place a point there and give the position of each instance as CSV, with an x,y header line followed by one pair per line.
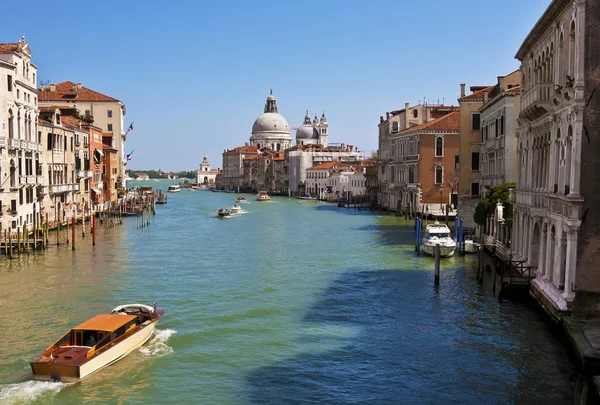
x,y
157,346
28,391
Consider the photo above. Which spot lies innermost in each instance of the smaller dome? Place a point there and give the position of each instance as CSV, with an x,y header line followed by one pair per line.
x,y
323,119
270,97
315,121
307,132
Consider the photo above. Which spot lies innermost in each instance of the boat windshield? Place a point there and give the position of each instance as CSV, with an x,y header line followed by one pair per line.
x,y
442,235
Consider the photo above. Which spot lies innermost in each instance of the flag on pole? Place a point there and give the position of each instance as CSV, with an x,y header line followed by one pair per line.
x,y
130,128
129,155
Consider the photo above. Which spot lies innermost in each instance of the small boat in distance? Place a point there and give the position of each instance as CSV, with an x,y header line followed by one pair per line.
x,y
175,188
470,246
438,234
223,213
96,343
263,196
305,197
161,198
235,209
241,199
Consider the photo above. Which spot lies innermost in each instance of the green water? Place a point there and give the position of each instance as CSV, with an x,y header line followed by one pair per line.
x,y
294,302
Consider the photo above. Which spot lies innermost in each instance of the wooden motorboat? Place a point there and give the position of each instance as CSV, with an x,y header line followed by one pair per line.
x,y
96,343
263,196
223,213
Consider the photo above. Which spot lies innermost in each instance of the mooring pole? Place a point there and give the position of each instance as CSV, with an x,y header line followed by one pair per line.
x,y
93,230
437,265
73,232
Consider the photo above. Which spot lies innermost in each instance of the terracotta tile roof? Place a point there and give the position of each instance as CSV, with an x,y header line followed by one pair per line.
x,y
251,157
516,89
4,48
448,122
328,165
64,91
72,122
243,149
51,108
477,93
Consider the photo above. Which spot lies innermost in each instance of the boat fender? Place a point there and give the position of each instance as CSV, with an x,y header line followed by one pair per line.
x,y
55,377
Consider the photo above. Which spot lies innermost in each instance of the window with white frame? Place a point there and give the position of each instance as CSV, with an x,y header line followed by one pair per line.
x,y
439,146
439,175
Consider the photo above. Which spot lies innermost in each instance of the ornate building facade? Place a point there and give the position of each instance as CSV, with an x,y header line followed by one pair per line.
x,y
548,200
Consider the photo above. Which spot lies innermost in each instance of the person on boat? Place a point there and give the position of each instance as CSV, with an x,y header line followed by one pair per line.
x,y
91,341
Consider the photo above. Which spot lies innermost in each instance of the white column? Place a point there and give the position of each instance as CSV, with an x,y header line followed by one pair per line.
x,y
557,258
550,248
576,157
542,251
571,264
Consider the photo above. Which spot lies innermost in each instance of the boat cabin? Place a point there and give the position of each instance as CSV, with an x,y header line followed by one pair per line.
x,y
437,230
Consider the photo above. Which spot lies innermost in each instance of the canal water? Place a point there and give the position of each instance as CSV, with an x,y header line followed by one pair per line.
x,y
295,302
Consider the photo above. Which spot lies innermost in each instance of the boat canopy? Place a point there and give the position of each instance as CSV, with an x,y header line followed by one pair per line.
x,y
105,322
437,228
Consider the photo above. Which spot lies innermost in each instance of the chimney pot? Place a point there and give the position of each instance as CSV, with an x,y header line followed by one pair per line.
x,y
53,87
462,89
381,119
79,86
485,97
387,115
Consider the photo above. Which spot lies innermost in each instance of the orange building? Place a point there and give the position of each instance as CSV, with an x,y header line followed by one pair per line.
x,y
429,158
96,151
111,168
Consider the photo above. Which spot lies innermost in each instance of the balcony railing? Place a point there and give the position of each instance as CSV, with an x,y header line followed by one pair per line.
x,y
40,148
3,142
42,190
39,179
89,174
23,180
14,143
535,102
24,144
532,199
63,188
31,179
80,174
57,153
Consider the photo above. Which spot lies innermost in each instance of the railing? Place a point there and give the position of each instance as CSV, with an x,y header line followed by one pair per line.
x,y
40,148
31,179
77,143
23,180
534,199
43,190
24,144
80,174
14,143
89,173
32,146
539,92
39,179
2,142
63,188
57,153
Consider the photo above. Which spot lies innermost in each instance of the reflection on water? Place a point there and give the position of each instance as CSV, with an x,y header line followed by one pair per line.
x,y
289,303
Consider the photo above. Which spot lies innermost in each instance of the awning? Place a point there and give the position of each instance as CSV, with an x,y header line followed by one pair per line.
x,y
100,152
95,190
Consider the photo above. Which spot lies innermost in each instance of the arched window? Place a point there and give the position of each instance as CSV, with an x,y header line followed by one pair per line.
x,y
13,174
439,146
11,133
572,53
278,147
439,174
416,113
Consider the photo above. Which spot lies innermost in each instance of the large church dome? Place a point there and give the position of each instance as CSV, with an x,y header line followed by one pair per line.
x,y
270,121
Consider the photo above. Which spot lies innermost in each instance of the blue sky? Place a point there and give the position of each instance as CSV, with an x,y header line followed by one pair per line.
x,y
195,74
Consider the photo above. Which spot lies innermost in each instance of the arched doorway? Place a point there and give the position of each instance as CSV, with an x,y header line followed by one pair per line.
x,y
534,251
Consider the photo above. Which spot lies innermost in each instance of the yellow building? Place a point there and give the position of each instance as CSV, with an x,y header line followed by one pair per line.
x,y
468,161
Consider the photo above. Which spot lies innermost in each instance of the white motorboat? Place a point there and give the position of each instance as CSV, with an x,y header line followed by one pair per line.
x,y
175,188
235,209
97,343
438,234
263,196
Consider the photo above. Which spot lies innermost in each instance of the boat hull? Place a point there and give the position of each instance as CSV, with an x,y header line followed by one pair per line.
x,y
445,251
45,371
471,247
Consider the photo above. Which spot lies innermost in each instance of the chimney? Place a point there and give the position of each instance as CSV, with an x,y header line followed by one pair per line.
x,y
406,108
462,89
381,119
53,87
79,86
387,115
485,97
42,87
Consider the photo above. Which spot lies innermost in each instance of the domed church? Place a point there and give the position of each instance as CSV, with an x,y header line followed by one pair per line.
x,y
270,129
312,133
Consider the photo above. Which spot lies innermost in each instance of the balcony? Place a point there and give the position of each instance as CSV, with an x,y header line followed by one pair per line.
x,y
532,199
14,143
63,188
536,101
3,142
89,174
32,146
39,179
57,153
24,144
78,143
568,206
31,179
42,190
22,180
81,174
40,148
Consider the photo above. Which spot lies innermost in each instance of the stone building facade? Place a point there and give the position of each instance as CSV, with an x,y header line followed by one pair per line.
x,y
549,200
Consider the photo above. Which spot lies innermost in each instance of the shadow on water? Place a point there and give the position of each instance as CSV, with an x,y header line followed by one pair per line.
x,y
418,344
391,234
348,211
